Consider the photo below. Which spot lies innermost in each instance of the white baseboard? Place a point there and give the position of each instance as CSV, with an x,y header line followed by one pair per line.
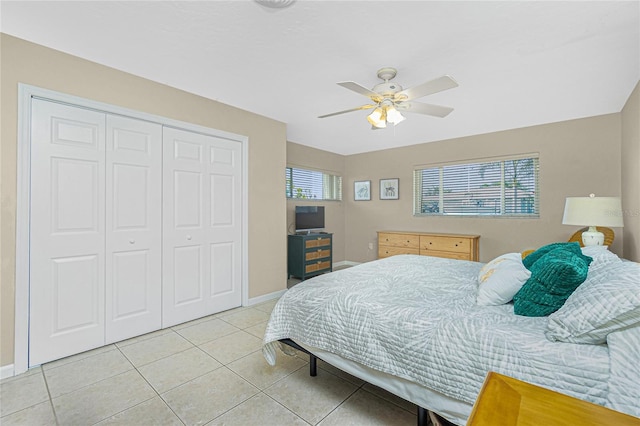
x,y
6,371
345,263
277,294
265,297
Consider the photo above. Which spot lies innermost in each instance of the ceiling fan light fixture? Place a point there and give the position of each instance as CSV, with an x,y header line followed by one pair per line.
x,y
394,116
378,118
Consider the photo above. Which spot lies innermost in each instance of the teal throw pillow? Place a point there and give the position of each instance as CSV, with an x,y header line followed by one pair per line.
x,y
554,276
532,258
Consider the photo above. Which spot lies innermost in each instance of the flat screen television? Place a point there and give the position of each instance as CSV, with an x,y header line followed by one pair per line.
x,y
309,218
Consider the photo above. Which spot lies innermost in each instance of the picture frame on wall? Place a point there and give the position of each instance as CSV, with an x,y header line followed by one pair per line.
x,y
390,189
362,190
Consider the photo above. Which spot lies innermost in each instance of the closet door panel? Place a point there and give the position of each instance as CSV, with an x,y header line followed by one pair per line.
x,y
187,261
67,268
130,279
201,225
222,269
185,196
225,228
133,224
187,199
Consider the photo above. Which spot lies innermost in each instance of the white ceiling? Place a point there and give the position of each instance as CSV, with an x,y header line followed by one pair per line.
x,y
518,63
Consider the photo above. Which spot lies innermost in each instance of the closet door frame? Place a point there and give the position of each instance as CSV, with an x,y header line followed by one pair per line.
x,y
25,94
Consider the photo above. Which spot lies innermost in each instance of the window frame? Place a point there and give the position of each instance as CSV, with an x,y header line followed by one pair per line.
x,y
533,204
331,185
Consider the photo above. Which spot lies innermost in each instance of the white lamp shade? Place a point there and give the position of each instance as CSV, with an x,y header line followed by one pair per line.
x,y
394,116
377,119
593,211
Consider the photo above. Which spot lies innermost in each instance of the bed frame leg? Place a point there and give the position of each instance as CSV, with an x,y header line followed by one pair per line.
x,y
313,360
313,365
422,416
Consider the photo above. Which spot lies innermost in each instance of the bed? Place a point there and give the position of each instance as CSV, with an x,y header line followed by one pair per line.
x,y
413,326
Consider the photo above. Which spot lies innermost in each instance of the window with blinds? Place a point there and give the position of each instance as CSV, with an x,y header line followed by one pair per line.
x,y
504,187
312,185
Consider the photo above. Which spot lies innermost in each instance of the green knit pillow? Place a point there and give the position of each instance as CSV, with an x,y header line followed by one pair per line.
x,y
532,258
554,276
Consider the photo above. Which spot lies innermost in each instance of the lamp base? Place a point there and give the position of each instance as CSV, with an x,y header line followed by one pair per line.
x,y
592,237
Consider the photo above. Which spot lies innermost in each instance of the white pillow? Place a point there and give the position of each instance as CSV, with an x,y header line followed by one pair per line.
x,y
609,300
500,279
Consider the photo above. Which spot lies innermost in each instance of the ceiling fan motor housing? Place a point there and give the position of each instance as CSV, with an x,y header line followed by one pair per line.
x,y
387,88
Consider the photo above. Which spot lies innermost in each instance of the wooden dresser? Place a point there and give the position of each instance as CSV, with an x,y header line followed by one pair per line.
x,y
453,246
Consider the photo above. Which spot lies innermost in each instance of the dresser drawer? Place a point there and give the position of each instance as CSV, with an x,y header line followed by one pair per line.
x,y
386,251
318,266
399,240
317,242
447,254
447,244
317,254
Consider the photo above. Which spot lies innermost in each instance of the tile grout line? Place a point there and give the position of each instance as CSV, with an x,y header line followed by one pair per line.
x,y
152,388
46,385
262,391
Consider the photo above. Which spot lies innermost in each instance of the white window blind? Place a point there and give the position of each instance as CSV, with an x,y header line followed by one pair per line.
x,y
505,187
311,184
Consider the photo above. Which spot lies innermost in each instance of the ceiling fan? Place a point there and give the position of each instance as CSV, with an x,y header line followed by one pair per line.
x,y
389,99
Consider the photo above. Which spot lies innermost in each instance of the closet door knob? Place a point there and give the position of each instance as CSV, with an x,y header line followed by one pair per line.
x,y
188,237
132,241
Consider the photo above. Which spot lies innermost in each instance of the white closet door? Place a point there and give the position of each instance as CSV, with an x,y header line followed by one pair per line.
x,y
133,227
67,274
202,230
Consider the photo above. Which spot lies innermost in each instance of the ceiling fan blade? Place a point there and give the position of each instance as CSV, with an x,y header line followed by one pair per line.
x,y
348,110
433,86
351,85
427,109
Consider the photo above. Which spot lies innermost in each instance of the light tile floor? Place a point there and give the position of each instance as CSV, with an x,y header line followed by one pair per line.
x,y
209,371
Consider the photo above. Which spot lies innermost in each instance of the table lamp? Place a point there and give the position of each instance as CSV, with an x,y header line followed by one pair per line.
x,y
593,211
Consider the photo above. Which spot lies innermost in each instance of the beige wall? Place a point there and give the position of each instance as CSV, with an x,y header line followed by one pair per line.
x,y
314,159
577,158
631,175
24,62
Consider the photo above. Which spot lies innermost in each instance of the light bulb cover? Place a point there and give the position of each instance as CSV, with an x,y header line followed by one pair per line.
x,y
377,118
394,116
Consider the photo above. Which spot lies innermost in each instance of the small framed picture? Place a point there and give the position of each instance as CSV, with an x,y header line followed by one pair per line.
x,y
362,190
389,189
